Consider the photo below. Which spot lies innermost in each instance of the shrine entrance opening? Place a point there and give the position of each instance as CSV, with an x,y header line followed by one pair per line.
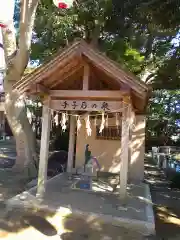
x,y
82,85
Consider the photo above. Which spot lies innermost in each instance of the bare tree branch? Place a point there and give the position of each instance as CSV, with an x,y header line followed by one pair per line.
x,y
28,10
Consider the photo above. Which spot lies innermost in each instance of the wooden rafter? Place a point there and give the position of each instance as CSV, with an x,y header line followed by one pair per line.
x,y
112,72
39,88
66,64
69,72
114,66
68,51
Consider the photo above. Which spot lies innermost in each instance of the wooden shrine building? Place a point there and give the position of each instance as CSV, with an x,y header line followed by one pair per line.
x,y
83,83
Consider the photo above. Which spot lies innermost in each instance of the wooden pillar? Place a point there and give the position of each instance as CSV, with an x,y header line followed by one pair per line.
x,y
44,150
125,133
71,143
136,172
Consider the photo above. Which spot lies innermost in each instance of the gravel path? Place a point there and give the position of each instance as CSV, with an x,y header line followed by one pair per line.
x,y
166,203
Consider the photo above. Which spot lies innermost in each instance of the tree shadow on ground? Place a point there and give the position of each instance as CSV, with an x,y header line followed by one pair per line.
x,y
69,227
19,219
165,202
78,228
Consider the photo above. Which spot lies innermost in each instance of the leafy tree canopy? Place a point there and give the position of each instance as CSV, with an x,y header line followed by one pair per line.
x,y
142,35
136,33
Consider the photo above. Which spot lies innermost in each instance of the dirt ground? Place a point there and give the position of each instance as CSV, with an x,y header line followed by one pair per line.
x,y
28,224
166,203
44,226
18,224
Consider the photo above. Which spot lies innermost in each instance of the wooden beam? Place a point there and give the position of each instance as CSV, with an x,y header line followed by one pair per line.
x,y
111,70
39,88
83,105
71,70
86,77
44,71
89,94
125,87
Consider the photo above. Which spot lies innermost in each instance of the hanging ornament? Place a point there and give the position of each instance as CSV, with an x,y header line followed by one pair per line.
x,y
63,4
34,126
106,124
38,131
78,123
133,126
29,116
95,121
117,122
3,25
88,126
102,123
63,122
66,114
52,119
56,119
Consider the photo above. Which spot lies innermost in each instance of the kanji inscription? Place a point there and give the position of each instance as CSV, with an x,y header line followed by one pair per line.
x,y
82,105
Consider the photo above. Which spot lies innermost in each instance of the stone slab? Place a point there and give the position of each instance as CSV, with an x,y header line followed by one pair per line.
x,y
137,213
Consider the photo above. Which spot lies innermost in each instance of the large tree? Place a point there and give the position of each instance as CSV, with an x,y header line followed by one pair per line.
x,y
130,32
17,50
135,33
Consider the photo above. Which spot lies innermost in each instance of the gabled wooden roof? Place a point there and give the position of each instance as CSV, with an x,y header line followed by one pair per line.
x,y
69,61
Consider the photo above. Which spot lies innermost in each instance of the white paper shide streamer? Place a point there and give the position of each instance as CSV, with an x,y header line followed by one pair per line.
x,y
102,123
29,116
117,120
95,121
78,124
63,122
56,119
106,124
88,126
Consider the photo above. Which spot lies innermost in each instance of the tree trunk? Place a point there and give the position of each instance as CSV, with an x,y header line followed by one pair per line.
x,y
21,128
16,62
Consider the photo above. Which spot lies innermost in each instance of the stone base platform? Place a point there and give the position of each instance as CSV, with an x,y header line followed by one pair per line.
x,y
136,214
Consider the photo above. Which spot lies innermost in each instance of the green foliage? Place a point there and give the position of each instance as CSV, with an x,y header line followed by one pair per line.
x,y
130,32
136,33
163,117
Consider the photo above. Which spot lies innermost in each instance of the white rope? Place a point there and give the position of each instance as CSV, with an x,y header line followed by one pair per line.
x,y
91,115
